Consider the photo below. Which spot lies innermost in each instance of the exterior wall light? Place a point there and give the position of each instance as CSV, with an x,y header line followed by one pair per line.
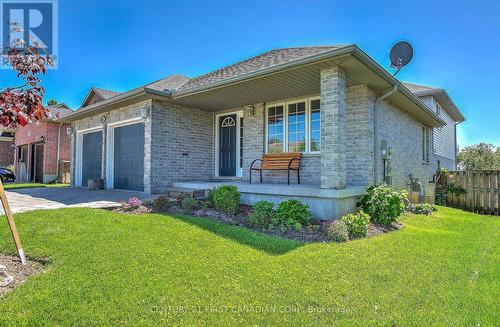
x,y
249,111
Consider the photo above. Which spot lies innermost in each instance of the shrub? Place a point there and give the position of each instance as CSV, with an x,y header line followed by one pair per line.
x,y
292,214
337,231
190,204
134,202
211,197
383,204
421,208
448,187
262,214
162,203
357,223
227,199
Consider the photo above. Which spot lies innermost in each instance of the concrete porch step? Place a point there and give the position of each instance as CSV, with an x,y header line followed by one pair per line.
x,y
176,192
225,179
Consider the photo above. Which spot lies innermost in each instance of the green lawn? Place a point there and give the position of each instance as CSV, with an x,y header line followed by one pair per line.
x,y
15,186
115,269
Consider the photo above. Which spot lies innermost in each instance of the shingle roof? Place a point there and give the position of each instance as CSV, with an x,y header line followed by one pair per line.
x,y
58,111
267,59
105,94
415,88
169,83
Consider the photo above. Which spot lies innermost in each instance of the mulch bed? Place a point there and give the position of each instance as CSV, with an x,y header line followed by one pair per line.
x,y
20,272
313,233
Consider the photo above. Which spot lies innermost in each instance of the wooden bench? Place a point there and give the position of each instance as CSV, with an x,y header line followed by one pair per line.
x,y
278,161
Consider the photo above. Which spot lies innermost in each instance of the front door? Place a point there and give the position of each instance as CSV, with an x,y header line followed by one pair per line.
x,y
39,163
227,145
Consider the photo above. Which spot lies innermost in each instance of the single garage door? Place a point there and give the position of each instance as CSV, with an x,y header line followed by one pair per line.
x,y
91,156
129,157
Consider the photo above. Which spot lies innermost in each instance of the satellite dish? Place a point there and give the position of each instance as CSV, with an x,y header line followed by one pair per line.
x,y
401,54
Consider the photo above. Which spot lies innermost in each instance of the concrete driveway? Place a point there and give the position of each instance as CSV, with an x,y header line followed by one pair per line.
x,y
64,197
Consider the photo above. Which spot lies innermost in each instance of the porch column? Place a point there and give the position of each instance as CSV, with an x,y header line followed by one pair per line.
x,y
333,128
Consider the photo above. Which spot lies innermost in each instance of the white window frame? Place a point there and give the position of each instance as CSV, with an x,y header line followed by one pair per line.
x,y
110,148
239,115
285,122
79,152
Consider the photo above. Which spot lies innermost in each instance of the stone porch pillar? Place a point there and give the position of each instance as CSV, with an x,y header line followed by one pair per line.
x,y
333,128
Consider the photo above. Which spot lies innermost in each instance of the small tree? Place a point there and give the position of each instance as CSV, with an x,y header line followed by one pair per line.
x,y
52,102
22,104
480,156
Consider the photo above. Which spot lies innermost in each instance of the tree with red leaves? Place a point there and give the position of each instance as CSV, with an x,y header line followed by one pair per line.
x,y
20,105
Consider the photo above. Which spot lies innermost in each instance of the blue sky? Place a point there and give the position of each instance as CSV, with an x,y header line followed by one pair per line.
x,y
123,44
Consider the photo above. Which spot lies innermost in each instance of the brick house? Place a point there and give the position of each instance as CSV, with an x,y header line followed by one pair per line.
x,y
355,124
42,146
6,147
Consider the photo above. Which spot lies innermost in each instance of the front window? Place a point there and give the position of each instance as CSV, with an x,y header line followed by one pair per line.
x,y
315,120
425,144
297,127
294,126
275,129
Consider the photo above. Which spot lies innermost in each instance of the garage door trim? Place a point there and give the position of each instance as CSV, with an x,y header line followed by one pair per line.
x,y
79,152
110,147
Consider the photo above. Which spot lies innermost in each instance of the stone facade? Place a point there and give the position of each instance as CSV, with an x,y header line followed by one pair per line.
x,y
181,145
333,128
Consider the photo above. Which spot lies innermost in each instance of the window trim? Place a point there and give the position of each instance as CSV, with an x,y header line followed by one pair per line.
x,y
307,130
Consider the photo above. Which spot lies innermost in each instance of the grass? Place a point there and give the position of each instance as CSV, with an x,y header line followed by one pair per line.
x,y
16,186
110,269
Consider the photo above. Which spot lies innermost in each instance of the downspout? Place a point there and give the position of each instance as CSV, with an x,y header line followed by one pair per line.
x,y
58,150
375,132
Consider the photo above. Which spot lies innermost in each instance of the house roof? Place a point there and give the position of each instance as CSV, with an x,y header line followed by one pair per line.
x,y
58,111
271,76
262,61
103,94
441,96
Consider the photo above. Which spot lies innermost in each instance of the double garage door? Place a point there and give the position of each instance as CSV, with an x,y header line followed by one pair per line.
x,y
128,157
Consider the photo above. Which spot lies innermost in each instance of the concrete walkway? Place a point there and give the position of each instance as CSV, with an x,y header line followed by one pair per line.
x,y
23,200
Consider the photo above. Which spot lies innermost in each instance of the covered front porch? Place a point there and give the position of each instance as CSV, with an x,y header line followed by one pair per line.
x,y
324,203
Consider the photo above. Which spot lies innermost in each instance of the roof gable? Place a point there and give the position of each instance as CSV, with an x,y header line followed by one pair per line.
x,y
97,95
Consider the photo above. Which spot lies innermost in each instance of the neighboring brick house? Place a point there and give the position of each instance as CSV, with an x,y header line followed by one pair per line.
x,y
42,146
355,124
6,147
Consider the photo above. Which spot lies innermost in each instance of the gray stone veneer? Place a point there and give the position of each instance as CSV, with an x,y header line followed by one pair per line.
x,y
333,130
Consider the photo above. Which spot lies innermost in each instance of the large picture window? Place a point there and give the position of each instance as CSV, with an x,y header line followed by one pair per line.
x,y
294,126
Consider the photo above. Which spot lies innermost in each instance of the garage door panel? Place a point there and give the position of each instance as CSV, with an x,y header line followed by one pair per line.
x,y
129,157
91,156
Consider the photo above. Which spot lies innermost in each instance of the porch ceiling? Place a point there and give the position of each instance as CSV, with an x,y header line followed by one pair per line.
x,y
301,81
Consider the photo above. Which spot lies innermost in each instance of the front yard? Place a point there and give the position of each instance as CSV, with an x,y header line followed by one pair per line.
x,y
111,268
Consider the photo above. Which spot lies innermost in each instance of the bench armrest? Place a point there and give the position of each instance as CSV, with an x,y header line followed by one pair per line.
x,y
251,166
290,162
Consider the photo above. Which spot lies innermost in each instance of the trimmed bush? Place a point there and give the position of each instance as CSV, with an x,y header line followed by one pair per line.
x,y
421,208
262,214
227,199
357,223
337,231
292,214
383,204
162,203
211,197
189,204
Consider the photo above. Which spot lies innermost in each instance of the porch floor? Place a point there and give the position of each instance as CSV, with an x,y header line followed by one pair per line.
x,y
324,203
276,189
